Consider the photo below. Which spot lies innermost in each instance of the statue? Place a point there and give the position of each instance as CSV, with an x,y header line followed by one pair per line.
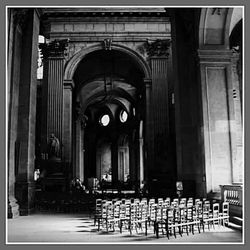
x,y
54,146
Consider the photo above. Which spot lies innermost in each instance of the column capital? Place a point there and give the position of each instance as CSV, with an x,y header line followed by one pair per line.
x,y
68,84
56,48
158,48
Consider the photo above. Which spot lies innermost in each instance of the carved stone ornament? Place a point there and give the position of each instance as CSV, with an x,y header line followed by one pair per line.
x,y
53,146
81,116
54,48
216,11
157,48
107,43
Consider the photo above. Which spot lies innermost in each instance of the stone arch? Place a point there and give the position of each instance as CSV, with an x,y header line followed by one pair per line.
x,y
237,15
72,64
214,27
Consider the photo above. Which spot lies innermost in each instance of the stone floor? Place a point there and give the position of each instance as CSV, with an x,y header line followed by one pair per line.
x,y
79,228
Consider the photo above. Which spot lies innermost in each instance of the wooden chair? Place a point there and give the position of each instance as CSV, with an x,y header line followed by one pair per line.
x,y
167,201
98,210
215,214
185,220
213,217
224,215
174,204
160,220
144,200
136,201
206,215
160,200
170,222
176,200
104,214
124,215
132,220
142,216
111,216
190,200
183,203
197,201
152,210
197,214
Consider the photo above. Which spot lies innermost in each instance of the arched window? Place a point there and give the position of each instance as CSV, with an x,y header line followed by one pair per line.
x,y
123,116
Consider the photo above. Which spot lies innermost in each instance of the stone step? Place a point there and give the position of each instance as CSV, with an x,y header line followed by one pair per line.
x,y
236,222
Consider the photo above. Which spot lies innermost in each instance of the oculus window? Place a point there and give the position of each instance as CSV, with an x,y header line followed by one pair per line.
x,y
104,120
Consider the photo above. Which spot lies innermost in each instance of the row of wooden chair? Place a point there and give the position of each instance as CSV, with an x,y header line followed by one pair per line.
x,y
164,216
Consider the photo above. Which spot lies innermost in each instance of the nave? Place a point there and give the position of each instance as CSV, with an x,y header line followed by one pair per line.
x,y
86,227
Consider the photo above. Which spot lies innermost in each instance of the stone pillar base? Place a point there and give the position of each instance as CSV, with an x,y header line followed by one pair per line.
x,y
25,193
13,208
26,211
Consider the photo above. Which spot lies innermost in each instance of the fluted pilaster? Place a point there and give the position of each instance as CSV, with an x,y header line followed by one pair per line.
x,y
159,129
53,56
160,96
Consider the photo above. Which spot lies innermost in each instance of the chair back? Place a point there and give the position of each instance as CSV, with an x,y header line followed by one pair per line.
x,y
225,208
216,209
176,200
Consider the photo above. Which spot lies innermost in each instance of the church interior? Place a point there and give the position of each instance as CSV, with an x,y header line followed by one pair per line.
x,y
132,117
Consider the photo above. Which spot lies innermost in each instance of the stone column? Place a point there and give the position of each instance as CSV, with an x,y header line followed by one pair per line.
x,y
79,145
16,21
149,122
158,53
141,155
218,116
53,91
238,142
114,160
67,122
27,113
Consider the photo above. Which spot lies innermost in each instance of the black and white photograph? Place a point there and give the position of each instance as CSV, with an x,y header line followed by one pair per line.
x,y
125,124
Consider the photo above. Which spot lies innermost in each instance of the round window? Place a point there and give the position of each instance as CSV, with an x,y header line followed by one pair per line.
x,y
105,120
123,116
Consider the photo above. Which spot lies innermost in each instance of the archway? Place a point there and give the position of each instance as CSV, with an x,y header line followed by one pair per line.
x,y
109,95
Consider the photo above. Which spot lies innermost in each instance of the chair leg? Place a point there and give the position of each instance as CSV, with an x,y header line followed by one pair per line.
x,y
192,228
174,231
199,230
130,227
157,230
180,231
167,229
120,225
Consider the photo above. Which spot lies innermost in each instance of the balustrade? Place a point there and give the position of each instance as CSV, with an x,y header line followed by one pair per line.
x,y
232,194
